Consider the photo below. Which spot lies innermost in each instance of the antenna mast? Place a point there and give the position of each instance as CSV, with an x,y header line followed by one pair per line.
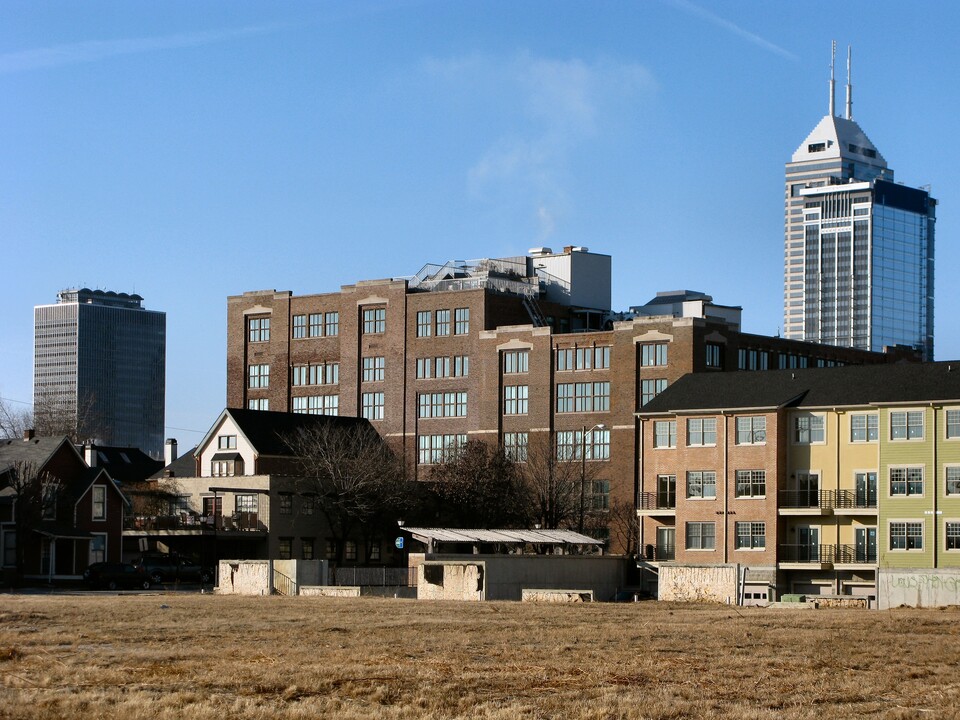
x,y
833,83
849,88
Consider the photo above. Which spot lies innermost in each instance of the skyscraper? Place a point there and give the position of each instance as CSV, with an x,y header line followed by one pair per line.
x,y
858,248
99,367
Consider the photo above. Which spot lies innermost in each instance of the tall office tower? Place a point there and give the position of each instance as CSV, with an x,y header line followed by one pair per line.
x,y
99,367
858,248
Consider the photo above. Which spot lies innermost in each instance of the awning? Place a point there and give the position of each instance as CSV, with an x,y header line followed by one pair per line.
x,y
516,537
228,456
64,533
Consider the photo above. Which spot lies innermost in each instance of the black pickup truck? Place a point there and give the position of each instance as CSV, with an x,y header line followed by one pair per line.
x,y
161,568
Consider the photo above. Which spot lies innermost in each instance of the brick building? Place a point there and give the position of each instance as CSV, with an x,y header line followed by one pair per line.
x,y
513,351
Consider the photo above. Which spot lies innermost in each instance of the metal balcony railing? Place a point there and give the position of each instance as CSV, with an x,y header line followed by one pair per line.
x,y
241,521
656,501
807,553
376,576
823,499
659,551
851,554
854,499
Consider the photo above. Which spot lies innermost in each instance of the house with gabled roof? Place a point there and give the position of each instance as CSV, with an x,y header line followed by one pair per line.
x,y
57,514
833,481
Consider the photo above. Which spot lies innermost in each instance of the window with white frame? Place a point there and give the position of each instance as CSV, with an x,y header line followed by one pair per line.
x,y
99,502
516,361
665,434
258,404
952,479
259,329
952,535
424,323
433,449
373,369
751,430
259,376
371,405
98,548
701,431
808,429
906,481
701,485
515,399
751,535
515,446
226,442
953,424
906,425
248,503
443,322
461,321
751,483
652,354
572,443
649,389
223,468
906,535
299,326
864,427
374,321
701,535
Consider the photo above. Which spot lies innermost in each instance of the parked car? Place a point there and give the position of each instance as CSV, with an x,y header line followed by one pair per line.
x,y
116,575
160,567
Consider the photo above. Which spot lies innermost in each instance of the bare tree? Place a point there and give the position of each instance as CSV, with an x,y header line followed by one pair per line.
x,y
554,483
38,496
480,487
79,419
624,527
355,479
14,422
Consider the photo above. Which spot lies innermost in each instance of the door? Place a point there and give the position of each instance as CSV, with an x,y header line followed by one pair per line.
x,y
666,491
866,489
866,545
808,490
808,544
666,539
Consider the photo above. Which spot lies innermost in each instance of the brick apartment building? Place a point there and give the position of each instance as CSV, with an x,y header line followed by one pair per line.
x,y
512,351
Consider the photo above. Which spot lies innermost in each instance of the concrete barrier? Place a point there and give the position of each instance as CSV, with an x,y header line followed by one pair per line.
x,y
556,596
331,590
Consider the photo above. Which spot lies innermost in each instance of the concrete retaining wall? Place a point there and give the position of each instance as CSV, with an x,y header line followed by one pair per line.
x,y
557,596
450,581
244,577
689,583
330,590
918,587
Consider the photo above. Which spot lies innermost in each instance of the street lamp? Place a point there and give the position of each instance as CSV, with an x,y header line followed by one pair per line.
x,y
583,465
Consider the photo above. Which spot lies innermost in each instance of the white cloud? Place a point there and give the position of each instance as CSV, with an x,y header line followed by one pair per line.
x,y
711,17
94,50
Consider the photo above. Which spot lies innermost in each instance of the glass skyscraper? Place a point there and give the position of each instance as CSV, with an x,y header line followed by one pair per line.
x,y
99,367
858,247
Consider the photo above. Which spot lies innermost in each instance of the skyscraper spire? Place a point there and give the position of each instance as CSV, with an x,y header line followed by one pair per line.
x,y
833,83
849,114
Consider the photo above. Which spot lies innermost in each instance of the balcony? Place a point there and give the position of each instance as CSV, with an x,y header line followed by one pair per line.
x,y
856,502
806,556
806,502
654,504
661,552
855,555
186,523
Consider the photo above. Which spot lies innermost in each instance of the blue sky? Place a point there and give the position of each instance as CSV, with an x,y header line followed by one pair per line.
x,y
188,151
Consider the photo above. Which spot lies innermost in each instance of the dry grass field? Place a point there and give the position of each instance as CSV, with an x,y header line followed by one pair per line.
x,y
201,656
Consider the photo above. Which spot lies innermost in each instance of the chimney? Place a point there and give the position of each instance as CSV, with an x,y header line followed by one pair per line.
x,y
28,434
170,451
90,454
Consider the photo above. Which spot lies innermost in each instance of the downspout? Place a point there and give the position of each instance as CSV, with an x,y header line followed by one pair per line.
x,y
726,483
935,484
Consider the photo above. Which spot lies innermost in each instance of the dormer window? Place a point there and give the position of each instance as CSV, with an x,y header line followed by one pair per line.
x,y
226,442
816,147
226,465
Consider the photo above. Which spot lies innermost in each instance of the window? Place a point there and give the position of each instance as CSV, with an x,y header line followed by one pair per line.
x,y
374,321
701,431
258,404
906,536
331,323
665,434
9,548
952,479
515,399
433,449
331,549
751,483
702,485
424,368
246,503
374,552
259,329
515,446
751,535
906,425
259,376
751,430
461,365
952,535
564,358
906,481
570,443
864,428
299,326
443,322
583,358
307,505
372,406
316,324
317,405
306,548
583,397
714,355
286,503
373,369
99,502
653,354
321,374
808,429
424,323
350,550
461,321
649,389
98,547
226,442
285,548
450,404
516,361
599,495
701,535
224,468
953,424
212,506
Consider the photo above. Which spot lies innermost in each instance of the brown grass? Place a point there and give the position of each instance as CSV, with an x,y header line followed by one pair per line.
x,y
205,657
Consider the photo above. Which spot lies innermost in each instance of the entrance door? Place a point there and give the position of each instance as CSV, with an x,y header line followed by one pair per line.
x,y
808,544
666,543
808,490
666,491
866,489
866,545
